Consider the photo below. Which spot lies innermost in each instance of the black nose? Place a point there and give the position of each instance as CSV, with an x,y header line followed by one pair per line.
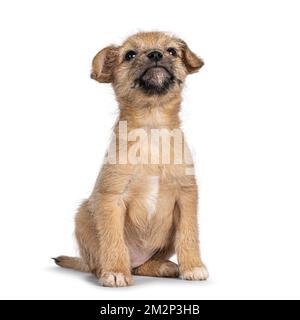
x,y
155,55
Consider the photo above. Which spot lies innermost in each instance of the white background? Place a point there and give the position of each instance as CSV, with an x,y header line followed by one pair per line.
x,y
240,113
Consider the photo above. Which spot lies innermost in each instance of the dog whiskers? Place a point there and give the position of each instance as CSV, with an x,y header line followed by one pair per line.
x,y
135,84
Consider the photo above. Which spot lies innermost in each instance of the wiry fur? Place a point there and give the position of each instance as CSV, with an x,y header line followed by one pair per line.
x,y
117,234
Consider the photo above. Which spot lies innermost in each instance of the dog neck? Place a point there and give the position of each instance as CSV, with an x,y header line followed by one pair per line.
x,y
154,115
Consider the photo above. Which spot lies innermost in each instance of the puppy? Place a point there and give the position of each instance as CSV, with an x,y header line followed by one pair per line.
x,y
143,209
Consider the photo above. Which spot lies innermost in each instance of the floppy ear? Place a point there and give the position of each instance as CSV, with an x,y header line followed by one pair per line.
x,y
192,62
103,64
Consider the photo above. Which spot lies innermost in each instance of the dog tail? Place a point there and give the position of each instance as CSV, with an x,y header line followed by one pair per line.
x,y
71,263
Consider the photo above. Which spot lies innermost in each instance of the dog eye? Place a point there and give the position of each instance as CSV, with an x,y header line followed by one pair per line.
x,y
172,51
130,55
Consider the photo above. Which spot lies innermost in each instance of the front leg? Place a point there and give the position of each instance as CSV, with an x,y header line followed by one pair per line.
x,y
187,244
114,269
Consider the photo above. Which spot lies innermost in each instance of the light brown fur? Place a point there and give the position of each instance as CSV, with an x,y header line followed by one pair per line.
x,y
113,225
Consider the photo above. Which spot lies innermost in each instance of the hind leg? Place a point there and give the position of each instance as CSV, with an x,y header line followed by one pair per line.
x,y
157,268
159,265
85,233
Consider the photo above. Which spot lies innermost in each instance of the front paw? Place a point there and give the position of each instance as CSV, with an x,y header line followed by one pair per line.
x,y
115,279
196,273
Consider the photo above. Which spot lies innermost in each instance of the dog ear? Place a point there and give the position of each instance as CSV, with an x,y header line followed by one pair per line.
x,y
191,61
103,64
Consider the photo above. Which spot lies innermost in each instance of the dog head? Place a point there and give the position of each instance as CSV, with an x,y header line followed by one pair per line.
x,y
147,66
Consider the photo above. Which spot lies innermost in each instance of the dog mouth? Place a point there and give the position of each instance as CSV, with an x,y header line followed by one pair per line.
x,y
155,80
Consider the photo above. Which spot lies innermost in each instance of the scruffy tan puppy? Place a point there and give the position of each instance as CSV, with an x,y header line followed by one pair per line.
x,y
141,212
